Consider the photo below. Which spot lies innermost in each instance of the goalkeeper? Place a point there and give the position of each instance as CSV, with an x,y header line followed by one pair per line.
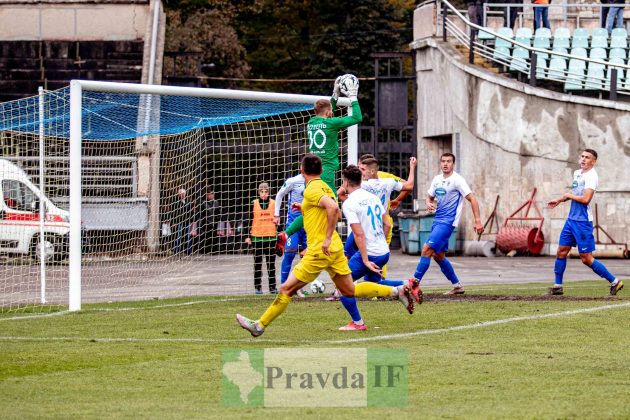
x,y
323,141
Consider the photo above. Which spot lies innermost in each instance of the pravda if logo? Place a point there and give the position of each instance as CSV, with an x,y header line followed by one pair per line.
x,y
314,377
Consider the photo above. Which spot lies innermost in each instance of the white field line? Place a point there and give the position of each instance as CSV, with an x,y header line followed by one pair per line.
x,y
342,341
246,298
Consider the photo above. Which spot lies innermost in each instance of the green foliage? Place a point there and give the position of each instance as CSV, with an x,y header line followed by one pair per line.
x,y
290,39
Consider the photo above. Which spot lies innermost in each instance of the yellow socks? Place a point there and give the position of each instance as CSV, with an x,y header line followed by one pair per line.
x,y
275,309
368,289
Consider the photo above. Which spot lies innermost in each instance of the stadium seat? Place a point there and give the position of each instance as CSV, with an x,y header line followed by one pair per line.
x,y
575,75
524,36
617,53
542,38
594,77
507,33
485,36
541,56
562,38
619,38
621,80
599,39
557,69
501,55
580,38
598,53
519,61
619,33
579,52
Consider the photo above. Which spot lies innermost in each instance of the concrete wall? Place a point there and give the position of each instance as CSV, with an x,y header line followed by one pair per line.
x,y
509,138
76,20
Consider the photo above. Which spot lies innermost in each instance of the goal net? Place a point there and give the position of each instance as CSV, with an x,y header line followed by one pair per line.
x,y
116,192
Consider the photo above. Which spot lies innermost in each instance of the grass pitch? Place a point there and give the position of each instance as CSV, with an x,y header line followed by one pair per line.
x,y
498,352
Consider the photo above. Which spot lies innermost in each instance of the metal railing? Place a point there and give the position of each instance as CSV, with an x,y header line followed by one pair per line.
x,y
449,16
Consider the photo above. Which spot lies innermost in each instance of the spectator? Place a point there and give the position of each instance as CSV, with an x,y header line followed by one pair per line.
x,y
182,224
510,13
263,238
615,13
475,14
208,223
541,13
603,17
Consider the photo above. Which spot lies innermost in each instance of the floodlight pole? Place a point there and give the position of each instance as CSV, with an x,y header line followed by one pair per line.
x,y
74,269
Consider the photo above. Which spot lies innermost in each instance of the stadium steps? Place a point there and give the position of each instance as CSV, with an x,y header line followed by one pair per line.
x,y
479,60
26,65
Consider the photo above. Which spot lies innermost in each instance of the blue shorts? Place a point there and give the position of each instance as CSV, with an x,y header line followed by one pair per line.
x,y
578,234
360,270
296,240
350,248
439,236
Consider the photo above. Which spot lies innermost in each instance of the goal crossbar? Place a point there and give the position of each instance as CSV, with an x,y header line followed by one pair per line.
x,y
77,89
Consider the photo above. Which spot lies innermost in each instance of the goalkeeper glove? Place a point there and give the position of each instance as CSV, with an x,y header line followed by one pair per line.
x,y
352,88
336,90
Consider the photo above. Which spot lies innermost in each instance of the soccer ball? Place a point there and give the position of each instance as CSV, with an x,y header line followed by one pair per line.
x,y
347,81
317,286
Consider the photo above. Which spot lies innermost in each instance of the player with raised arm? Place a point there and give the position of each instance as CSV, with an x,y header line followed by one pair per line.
x,y
323,139
293,188
382,188
366,217
450,189
578,229
324,252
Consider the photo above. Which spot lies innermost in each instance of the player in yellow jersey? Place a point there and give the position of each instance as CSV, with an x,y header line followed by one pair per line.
x,y
324,252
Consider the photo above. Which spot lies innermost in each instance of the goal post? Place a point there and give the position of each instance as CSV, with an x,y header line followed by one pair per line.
x,y
149,123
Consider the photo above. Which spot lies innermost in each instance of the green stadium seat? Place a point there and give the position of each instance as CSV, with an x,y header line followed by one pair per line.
x,y
557,69
594,77
580,38
618,41
599,39
562,38
541,56
542,38
579,52
506,32
485,36
598,53
581,33
621,80
520,56
575,75
501,55
524,36
617,53
619,33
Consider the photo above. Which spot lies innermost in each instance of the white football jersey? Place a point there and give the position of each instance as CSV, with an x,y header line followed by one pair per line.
x,y
449,193
294,187
382,188
365,208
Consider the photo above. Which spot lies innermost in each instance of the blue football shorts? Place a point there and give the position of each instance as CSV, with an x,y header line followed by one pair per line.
x,y
439,236
578,233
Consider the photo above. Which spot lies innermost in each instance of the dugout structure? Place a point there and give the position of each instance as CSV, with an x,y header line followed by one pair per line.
x,y
114,155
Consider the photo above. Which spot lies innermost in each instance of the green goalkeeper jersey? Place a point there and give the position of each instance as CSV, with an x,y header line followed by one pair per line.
x,y
323,135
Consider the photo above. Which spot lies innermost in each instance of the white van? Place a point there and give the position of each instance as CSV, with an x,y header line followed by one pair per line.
x,y
20,221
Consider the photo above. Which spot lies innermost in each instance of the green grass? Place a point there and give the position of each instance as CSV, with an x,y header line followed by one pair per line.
x,y
161,359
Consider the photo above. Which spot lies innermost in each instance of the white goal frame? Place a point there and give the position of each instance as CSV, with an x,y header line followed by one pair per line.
x,y
77,87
